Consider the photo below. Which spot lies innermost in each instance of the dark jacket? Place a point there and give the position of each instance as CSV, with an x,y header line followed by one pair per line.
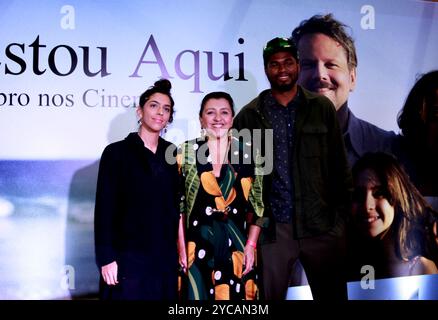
x,y
362,137
136,210
321,174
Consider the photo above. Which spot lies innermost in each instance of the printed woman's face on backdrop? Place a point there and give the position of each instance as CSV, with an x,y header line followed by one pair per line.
x,y
155,112
371,210
217,117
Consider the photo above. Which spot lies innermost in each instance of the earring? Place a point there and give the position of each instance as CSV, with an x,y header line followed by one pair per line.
x,y
165,129
203,133
139,121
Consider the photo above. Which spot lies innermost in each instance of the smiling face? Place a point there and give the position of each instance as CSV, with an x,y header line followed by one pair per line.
x,y
371,210
324,68
155,113
217,117
282,71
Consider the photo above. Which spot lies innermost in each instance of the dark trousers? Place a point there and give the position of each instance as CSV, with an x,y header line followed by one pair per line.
x,y
322,257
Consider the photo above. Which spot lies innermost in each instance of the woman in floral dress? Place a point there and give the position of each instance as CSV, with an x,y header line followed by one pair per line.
x,y
222,206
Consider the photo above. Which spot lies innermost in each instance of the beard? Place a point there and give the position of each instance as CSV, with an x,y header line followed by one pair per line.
x,y
283,86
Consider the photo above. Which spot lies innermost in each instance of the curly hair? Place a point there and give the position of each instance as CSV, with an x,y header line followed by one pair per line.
x,y
162,86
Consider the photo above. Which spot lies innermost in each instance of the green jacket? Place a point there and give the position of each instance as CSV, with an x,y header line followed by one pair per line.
x,y
321,173
187,165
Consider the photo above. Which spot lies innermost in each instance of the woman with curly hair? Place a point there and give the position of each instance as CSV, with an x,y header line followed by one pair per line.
x,y
136,213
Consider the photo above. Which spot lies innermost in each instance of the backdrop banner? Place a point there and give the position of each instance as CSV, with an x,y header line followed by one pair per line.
x,y
71,74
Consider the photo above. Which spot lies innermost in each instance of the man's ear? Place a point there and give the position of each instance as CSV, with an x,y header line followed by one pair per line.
x,y
352,79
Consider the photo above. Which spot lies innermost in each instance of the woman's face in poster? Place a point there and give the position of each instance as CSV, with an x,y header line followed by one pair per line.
x,y
371,210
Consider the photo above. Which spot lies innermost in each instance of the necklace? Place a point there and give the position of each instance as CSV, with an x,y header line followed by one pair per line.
x,y
224,159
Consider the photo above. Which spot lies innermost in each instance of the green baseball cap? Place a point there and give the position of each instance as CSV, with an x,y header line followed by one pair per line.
x,y
278,45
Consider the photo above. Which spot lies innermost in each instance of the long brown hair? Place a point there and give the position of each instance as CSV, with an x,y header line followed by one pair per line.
x,y
412,212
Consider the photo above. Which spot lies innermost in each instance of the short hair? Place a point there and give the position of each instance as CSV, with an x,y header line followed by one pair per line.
x,y
162,86
217,95
332,28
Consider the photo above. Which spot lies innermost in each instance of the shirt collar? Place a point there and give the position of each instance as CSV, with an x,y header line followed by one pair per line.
x,y
271,101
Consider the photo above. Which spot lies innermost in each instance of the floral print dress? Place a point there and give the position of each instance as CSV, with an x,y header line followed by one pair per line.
x,y
219,216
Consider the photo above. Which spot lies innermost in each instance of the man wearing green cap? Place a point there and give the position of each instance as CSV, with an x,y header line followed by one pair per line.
x,y
307,194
